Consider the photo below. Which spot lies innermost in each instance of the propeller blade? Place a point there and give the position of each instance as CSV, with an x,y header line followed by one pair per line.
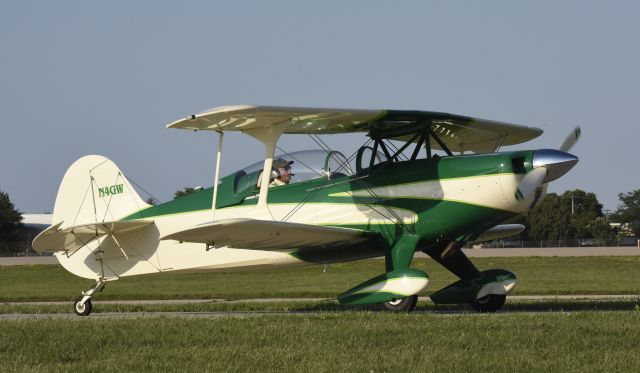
x,y
571,140
548,165
530,182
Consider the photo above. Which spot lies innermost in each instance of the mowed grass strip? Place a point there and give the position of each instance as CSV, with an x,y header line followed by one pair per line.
x,y
536,275
601,341
324,306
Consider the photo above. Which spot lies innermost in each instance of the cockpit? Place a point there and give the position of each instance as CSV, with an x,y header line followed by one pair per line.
x,y
307,165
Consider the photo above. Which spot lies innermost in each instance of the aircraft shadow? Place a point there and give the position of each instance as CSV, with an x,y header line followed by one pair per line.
x,y
509,307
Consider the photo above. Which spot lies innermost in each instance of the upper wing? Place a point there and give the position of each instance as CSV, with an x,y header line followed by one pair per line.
x,y
270,235
73,238
459,133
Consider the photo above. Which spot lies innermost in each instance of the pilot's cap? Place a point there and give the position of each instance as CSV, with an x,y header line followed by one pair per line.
x,y
281,163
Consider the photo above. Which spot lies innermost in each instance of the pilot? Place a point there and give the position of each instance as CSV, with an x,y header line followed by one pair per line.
x,y
281,171
282,168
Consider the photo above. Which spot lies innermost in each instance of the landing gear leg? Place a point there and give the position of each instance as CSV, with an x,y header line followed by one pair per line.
x,y
82,305
452,258
395,289
484,291
400,257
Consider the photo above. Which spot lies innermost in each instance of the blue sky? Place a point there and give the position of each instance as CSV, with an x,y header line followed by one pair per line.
x,y
104,78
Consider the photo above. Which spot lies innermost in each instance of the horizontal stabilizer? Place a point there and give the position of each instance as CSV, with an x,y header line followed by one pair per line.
x,y
270,235
71,239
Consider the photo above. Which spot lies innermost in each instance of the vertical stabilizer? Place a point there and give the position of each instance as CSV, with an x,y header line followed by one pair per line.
x,y
94,190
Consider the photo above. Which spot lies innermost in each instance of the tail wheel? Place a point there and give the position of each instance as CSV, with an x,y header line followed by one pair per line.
x,y
82,309
407,304
488,303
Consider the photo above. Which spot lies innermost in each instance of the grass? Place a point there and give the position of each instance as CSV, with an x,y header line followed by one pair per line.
x,y
324,306
324,336
536,275
331,341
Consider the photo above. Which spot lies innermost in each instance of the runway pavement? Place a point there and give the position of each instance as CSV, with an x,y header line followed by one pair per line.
x,y
27,260
472,253
554,251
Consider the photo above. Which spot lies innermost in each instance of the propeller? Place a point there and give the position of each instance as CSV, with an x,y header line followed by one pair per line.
x,y
548,165
571,140
530,182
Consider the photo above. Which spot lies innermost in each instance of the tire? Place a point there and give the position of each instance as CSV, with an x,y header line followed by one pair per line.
x,y
488,303
407,304
82,309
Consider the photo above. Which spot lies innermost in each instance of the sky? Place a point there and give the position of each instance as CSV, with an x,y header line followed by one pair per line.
x,y
89,77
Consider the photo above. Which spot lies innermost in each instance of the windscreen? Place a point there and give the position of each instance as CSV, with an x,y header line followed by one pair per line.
x,y
309,164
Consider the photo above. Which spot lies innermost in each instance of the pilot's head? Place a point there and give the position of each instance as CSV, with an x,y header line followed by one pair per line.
x,y
283,168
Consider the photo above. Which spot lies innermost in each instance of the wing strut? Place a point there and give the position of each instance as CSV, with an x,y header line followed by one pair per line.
x,y
217,177
269,137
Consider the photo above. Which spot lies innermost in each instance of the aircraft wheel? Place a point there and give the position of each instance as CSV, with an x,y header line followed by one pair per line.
x,y
82,309
488,303
401,305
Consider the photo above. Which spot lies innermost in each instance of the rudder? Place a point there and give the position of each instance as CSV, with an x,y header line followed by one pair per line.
x,y
94,190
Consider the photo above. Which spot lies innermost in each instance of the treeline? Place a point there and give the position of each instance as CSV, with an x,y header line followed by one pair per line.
x,y
575,214
12,234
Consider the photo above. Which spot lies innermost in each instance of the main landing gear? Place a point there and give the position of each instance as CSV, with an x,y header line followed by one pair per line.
x,y
396,289
82,305
488,303
407,304
484,291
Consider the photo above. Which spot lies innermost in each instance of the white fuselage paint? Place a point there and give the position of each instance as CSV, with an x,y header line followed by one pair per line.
x,y
492,191
143,251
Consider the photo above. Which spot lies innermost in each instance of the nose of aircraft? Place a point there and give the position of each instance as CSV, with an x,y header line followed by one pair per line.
x,y
556,162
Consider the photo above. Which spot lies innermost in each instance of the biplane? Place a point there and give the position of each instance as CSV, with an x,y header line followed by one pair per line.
x,y
421,181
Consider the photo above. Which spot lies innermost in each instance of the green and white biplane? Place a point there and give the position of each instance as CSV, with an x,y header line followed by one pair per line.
x,y
422,181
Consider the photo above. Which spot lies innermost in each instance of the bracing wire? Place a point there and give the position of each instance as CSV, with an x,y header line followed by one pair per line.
x,y
398,219
141,188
